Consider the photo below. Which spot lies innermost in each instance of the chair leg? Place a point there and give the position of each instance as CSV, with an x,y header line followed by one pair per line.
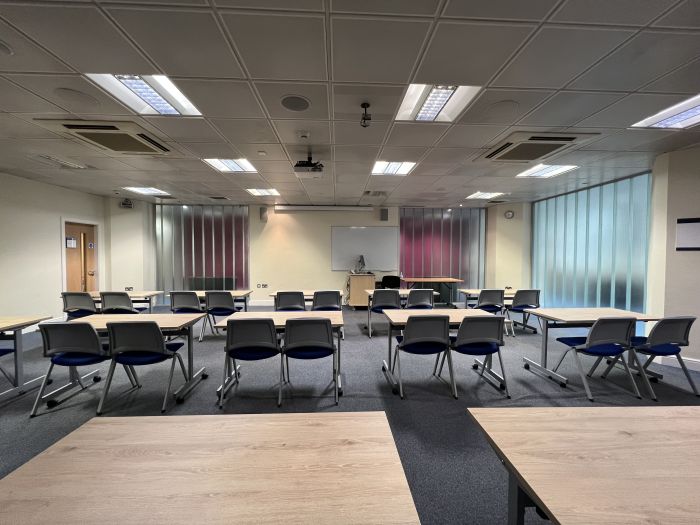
x,y
583,376
452,375
561,360
279,391
286,359
204,325
595,365
170,382
687,374
437,362
610,367
41,391
369,321
112,366
335,374
442,364
397,363
503,373
223,381
642,372
635,389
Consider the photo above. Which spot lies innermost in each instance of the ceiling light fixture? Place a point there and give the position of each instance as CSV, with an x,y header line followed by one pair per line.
x,y
484,195
63,163
147,94
545,171
435,103
145,190
681,116
382,167
270,192
231,165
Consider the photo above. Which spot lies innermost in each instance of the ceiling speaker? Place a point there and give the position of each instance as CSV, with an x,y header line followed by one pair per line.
x,y
295,103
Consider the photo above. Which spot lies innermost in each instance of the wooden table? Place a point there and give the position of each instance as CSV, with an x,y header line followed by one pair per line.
x,y
142,297
399,318
308,294
16,324
584,465
170,324
448,282
264,468
570,318
238,295
403,295
473,293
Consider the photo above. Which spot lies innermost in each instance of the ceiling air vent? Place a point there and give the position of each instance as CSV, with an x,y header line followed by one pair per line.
x,y
524,147
219,198
375,194
125,138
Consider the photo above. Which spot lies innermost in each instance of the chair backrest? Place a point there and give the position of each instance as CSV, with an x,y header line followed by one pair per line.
x,y
78,301
290,301
386,299
219,299
135,336
481,329
116,301
671,330
184,301
326,300
529,298
250,333
420,298
70,337
490,298
611,331
308,333
430,329
391,281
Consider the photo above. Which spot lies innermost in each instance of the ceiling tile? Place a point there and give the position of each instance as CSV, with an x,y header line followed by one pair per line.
x,y
272,94
262,152
13,127
626,140
303,5
622,12
386,51
318,131
467,136
25,55
686,14
459,42
94,46
449,155
502,9
213,150
200,49
383,100
397,153
415,133
568,107
644,58
502,106
14,99
557,54
631,109
285,47
356,153
431,169
186,129
274,166
221,98
246,131
682,80
386,7
353,133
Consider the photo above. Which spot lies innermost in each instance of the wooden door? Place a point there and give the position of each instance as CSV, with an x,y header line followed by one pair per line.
x,y
81,257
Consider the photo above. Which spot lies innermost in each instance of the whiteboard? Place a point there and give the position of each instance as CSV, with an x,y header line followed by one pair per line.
x,y
688,234
379,245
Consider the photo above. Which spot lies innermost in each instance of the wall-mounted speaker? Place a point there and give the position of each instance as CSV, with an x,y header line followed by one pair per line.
x,y
263,213
383,214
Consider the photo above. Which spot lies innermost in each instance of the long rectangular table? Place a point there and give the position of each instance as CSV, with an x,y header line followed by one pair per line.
x,y
448,282
612,465
170,324
308,294
238,295
15,325
337,467
137,297
570,318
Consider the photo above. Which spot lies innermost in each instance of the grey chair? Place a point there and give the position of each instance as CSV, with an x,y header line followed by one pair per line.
x,y
609,337
78,304
326,300
668,336
481,336
185,303
249,340
70,345
117,303
491,301
391,281
524,300
310,338
290,301
420,299
140,343
217,304
382,300
426,335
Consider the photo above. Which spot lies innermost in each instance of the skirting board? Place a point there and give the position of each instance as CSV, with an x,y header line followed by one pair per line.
x,y
261,302
691,363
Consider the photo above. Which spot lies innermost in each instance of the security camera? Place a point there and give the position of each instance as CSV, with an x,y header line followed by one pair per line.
x,y
366,117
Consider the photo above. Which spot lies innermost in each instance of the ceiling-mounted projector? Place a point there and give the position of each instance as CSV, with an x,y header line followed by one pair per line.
x,y
308,169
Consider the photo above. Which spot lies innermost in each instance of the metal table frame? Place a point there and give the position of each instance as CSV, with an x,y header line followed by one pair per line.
x,y
19,386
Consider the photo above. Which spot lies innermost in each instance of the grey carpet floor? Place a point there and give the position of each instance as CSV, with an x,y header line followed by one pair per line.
x,y
453,474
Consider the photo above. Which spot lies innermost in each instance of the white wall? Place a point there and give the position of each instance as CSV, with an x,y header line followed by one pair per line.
x,y
508,244
292,250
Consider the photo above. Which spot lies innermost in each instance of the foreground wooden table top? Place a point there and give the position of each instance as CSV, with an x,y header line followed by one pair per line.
x,y
264,468
280,318
18,322
608,465
582,315
165,321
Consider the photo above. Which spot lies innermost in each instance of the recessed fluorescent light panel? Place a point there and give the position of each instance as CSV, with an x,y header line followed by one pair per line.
x,y
681,116
146,191
271,192
545,171
231,165
146,94
382,167
484,195
435,103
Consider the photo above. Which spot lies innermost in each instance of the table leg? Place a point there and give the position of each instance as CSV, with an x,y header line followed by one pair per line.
x,y
541,367
386,365
19,386
150,305
517,501
340,376
245,303
193,378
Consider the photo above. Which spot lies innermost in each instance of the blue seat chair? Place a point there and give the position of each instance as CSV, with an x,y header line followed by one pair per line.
x,y
217,304
420,299
248,340
425,335
290,301
524,300
491,301
78,304
609,337
382,300
118,303
140,343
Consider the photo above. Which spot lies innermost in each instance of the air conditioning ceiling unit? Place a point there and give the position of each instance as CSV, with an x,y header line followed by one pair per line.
x,y
522,146
123,138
